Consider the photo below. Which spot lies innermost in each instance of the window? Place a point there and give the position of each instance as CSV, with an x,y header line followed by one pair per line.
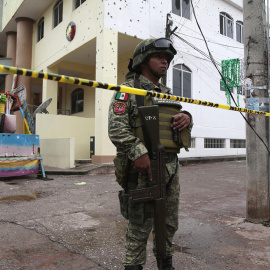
x,y
239,32
40,29
77,98
214,143
58,13
182,81
77,3
181,8
193,143
237,143
226,25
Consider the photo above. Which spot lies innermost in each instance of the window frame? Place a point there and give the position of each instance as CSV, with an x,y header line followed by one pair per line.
x,y
237,143
183,68
75,94
179,11
40,29
76,5
214,143
239,23
225,18
58,7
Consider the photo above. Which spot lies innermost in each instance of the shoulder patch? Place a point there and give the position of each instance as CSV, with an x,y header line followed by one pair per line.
x,y
122,96
119,107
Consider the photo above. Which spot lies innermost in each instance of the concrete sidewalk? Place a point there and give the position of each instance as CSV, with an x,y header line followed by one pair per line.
x,y
86,167
73,223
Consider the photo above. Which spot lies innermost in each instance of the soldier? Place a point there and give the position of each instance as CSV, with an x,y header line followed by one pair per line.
x,y
151,60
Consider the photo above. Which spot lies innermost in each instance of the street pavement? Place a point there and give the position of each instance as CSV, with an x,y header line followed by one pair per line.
x,y
73,222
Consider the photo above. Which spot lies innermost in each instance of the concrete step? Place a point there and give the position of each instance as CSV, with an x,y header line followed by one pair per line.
x,y
83,161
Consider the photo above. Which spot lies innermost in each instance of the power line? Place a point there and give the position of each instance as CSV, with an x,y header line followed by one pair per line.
x,y
190,14
210,40
204,71
241,48
196,56
195,48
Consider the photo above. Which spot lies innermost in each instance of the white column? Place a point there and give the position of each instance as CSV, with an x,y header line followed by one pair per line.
x,y
106,71
50,90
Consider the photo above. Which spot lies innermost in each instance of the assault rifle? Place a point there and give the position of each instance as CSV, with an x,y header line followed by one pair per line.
x,y
157,191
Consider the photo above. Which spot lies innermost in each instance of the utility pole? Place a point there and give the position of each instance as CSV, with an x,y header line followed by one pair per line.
x,y
167,35
256,67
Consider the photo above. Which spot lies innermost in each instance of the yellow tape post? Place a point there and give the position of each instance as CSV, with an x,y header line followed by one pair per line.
x,y
120,88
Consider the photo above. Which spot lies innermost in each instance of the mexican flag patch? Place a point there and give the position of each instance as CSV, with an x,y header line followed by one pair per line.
x,y
122,96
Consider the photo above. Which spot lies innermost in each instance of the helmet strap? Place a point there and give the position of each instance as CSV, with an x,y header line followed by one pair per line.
x,y
156,74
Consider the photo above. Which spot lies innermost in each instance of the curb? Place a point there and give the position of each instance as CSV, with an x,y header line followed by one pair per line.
x,y
108,168
199,160
105,168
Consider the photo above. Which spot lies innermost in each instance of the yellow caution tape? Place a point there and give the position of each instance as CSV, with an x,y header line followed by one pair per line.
x,y
119,88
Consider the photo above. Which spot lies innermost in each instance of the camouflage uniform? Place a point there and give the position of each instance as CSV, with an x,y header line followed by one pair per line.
x,y
140,224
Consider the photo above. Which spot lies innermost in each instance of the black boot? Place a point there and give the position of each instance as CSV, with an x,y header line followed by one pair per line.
x,y
135,267
166,264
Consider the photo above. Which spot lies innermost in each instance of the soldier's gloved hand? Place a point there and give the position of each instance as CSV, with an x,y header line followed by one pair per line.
x,y
143,164
180,121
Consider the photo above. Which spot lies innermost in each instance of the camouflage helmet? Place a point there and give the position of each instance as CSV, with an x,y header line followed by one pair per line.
x,y
149,46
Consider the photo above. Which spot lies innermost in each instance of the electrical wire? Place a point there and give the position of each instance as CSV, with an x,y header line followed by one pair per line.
x,y
196,56
182,25
195,48
209,39
214,63
240,48
201,77
206,55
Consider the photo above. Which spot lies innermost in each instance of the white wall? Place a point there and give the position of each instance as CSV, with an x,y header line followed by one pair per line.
x,y
50,126
58,152
142,19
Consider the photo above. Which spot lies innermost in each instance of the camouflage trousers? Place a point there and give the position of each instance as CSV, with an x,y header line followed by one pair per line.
x,y
137,234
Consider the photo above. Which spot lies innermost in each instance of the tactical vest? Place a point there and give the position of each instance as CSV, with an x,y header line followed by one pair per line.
x,y
167,108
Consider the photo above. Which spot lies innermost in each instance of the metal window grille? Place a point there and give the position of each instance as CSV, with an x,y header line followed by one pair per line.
x,y
214,143
234,143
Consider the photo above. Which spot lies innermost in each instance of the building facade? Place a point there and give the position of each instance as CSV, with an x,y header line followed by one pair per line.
x,y
95,39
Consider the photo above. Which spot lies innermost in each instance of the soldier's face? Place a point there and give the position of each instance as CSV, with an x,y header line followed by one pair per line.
x,y
158,62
